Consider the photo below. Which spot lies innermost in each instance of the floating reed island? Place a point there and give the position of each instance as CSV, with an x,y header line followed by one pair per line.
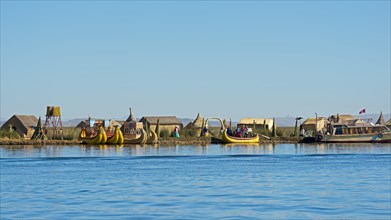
x,y
169,130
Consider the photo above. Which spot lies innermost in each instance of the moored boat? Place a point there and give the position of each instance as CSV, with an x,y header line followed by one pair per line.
x,y
104,136
130,138
98,137
152,138
230,139
116,137
356,134
133,131
354,131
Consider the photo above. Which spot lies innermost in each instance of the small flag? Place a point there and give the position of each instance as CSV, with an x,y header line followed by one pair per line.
x,y
362,111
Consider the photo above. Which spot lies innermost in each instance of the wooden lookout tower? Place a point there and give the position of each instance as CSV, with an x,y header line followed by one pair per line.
x,y
53,120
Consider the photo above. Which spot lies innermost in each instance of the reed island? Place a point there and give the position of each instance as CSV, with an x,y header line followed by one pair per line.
x,y
169,130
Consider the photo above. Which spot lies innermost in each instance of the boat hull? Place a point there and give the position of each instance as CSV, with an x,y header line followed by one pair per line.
x,y
229,139
104,137
153,139
384,137
91,141
99,138
117,137
140,140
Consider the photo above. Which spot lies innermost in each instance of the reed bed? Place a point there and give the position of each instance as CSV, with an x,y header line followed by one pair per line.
x,y
9,134
67,134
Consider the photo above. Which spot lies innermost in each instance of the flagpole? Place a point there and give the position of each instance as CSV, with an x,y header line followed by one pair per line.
x,y
366,115
363,111
370,120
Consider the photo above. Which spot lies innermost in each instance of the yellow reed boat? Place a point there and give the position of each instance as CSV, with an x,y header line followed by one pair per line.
x,y
136,139
104,136
116,138
152,139
98,138
230,139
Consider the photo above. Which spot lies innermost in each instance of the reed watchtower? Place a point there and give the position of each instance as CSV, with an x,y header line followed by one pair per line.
x,y
53,120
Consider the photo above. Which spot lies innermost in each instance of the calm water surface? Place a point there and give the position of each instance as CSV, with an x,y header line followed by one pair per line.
x,y
284,181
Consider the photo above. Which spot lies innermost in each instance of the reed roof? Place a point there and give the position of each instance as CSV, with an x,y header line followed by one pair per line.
x,y
342,118
257,121
22,123
380,120
197,123
27,120
163,120
312,121
131,117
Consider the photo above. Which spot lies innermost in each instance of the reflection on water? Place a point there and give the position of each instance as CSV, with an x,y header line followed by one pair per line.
x,y
284,181
138,150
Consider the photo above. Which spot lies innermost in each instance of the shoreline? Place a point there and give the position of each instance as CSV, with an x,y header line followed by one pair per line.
x,y
163,141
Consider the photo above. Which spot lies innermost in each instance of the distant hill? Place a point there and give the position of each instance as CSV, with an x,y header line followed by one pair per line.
x,y
185,121
287,121
212,123
76,121
72,122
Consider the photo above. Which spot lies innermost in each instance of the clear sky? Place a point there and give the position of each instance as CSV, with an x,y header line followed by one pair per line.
x,y
229,59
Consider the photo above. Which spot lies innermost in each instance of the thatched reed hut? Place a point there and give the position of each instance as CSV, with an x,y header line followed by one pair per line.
x,y
131,123
165,122
313,125
196,124
23,124
260,123
341,118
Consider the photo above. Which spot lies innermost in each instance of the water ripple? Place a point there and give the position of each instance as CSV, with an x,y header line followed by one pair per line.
x,y
214,182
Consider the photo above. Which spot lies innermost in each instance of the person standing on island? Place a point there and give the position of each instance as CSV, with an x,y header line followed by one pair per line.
x,y
176,132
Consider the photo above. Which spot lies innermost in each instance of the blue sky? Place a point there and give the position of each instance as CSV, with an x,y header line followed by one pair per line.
x,y
228,59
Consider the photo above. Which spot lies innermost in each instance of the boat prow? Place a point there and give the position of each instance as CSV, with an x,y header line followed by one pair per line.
x,y
140,140
103,137
116,138
153,139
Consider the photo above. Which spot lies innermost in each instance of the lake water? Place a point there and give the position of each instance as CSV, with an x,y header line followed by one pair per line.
x,y
285,181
